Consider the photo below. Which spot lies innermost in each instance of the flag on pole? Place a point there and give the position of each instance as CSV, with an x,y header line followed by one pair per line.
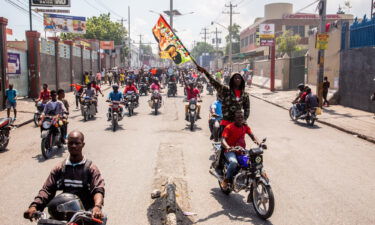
x,y
170,46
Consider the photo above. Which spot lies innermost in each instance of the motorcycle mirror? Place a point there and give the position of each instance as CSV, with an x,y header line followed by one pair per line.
x,y
264,140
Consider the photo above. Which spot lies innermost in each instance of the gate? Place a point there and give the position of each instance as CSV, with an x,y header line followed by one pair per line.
x,y
297,72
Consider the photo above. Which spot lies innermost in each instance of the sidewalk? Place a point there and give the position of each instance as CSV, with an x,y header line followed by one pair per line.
x,y
353,121
26,108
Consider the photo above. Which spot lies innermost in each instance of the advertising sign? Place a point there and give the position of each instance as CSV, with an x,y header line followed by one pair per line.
x,y
322,41
14,64
64,23
51,3
39,10
9,31
107,45
267,34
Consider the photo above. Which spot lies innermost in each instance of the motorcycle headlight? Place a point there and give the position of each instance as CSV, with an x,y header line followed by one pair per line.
x,y
46,124
258,159
192,107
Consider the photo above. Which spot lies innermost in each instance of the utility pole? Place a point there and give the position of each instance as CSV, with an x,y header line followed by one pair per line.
x,y
204,34
372,8
140,49
171,15
30,16
217,47
319,82
231,6
130,47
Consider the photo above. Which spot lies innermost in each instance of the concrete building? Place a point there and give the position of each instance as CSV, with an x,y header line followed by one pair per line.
x,y
281,14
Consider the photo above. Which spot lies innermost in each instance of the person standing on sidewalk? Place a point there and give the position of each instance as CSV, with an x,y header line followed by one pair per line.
x,y
326,85
11,100
99,78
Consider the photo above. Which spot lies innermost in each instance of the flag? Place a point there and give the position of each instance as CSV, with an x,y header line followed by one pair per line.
x,y
170,46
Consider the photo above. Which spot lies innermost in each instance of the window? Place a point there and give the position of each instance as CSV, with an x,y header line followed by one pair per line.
x,y
300,30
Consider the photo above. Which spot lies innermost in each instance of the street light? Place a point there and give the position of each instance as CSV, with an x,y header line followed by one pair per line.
x,y
213,22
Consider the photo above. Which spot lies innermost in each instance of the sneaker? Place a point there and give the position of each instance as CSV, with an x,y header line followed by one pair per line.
x,y
186,117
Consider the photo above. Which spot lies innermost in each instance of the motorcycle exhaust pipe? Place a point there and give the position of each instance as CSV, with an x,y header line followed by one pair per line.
x,y
217,176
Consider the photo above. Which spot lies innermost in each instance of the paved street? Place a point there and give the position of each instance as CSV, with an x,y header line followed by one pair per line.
x,y
319,175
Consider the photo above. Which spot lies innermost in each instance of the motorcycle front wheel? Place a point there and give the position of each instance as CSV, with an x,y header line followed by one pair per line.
x,y
85,116
46,147
156,110
292,114
36,119
4,141
263,200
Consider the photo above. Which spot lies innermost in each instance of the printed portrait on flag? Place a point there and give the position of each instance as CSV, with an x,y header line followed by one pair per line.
x,y
170,46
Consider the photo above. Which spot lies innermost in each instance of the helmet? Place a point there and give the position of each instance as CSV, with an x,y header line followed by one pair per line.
x,y
301,86
115,86
64,206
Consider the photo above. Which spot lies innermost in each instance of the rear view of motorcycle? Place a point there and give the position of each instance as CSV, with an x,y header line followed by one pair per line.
x,y
252,178
51,136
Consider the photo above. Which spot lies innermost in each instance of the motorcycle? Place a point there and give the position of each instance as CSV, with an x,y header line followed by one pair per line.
x,y
78,218
200,87
143,89
310,114
51,135
172,89
5,126
88,108
130,102
155,101
38,112
116,113
215,128
210,89
192,112
252,178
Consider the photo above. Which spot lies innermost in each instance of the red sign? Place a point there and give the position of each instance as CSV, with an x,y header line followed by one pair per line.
x,y
309,16
107,45
267,42
9,31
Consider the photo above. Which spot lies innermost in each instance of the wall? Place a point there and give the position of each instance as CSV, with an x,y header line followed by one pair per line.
x,y
262,68
48,63
332,59
64,68
357,78
86,61
20,81
77,67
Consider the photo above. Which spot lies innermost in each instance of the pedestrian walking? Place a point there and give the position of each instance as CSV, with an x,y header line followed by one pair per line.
x,y
99,78
11,100
86,77
326,86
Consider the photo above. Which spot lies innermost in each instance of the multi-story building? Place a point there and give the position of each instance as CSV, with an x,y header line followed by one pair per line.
x,y
281,14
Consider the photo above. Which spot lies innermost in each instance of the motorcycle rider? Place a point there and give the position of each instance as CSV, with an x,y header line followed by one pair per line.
x,y
76,175
312,101
155,86
45,95
91,92
300,99
131,87
233,136
96,88
234,98
216,113
191,93
114,95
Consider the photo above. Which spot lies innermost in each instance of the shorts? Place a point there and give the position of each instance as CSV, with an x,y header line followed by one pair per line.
x,y
10,104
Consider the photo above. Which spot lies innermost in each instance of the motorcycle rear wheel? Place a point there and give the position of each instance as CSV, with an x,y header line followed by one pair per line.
x,y
259,199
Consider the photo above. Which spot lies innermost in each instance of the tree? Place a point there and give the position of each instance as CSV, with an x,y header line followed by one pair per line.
x,y
200,48
146,49
288,42
235,39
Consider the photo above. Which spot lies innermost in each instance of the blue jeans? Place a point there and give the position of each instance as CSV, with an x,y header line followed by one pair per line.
x,y
233,164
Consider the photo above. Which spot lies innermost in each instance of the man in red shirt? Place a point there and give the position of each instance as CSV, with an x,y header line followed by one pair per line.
x,y
233,136
131,87
192,92
45,95
96,88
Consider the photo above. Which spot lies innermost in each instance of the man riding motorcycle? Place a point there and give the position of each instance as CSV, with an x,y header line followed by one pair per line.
x,y
233,136
114,95
155,86
216,113
131,87
91,92
300,99
64,128
191,93
76,175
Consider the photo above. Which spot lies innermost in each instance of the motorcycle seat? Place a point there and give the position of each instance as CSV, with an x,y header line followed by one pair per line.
x,y
4,122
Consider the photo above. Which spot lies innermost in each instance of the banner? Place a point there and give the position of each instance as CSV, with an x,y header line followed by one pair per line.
x,y
9,31
14,63
170,46
64,23
51,3
322,41
107,45
267,34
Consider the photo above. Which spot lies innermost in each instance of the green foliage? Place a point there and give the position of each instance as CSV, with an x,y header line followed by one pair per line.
x,y
235,39
101,28
288,43
146,50
200,48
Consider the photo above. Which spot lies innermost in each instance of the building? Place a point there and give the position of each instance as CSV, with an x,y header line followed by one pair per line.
x,y
281,14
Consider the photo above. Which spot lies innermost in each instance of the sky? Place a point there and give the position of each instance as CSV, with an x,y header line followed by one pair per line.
x,y
189,26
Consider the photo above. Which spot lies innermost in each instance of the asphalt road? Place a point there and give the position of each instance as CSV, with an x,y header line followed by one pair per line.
x,y
319,175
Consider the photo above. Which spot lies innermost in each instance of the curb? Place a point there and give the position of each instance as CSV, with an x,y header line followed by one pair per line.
x,y
361,136
31,120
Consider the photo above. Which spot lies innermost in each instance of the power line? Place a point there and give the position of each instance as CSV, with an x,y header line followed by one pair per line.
x,y
23,10
307,6
94,7
109,9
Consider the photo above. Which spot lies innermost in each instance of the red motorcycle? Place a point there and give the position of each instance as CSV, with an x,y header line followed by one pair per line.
x,y
5,126
115,113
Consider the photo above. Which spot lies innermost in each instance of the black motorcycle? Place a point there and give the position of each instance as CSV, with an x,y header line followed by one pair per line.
x,y
88,109
130,102
252,178
51,135
192,112
155,102
172,89
309,114
5,127
143,89
210,89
